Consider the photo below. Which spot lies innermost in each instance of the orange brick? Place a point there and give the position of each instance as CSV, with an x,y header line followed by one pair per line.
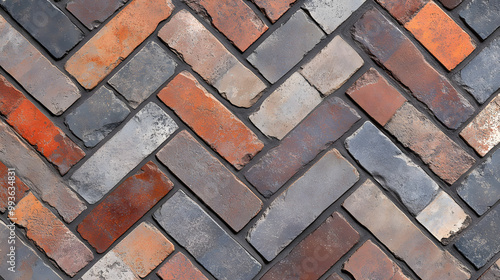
x,y
274,9
179,267
19,191
441,35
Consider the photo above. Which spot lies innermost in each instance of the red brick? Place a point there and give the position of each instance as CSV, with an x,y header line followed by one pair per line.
x,y
19,190
10,97
124,206
319,251
274,9
179,267
370,262
51,235
450,4
115,41
402,10
213,122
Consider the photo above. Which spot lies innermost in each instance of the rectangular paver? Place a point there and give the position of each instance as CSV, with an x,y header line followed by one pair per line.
x,y
482,16
93,12
330,14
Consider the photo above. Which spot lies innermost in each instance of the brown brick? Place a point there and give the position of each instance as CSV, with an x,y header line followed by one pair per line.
x,y
93,12
16,190
402,10
450,4
274,9
334,276
115,41
213,122
179,267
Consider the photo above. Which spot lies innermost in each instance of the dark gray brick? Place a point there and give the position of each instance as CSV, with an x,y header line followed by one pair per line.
x,y
482,16
93,12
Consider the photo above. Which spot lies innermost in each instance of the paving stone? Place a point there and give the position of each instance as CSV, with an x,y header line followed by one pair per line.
x,y
327,123
180,267
41,19
330,14
143,74
442,36
417,132
493,273
143,134
286,107
376,96
36,74
93,120
319,251
481,76
27,264
389,46
403,11
480,243
483,133
481,188
51,235
450,4
185,34
186,222
395,171
482,16
233,18
301,203
33,171
393,228
274,9
286,46
124,206
110,267
211,120
115,41
370,262
333,66
93,12
17,190
210,180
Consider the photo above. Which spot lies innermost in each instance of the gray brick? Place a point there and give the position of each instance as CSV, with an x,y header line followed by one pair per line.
x,y
110,267
210,245
330,14
93,12
482,16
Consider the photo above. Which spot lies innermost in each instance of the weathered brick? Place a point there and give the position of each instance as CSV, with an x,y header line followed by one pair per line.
x,y
481,188
180,267
493,273
374,210
41,19
376,96
51,235
330,14
213,61
93,12
450,4
394,170
17,190
211,120
97,116
143,74
115,41
400,56
10,97
286,46
27,264
209,244
483,133
124,206
34,172
143,134
286,107
327,123
274,9
443,37
370,262
110,267
417,132
301,203
319,251
480,243
333,66
233,18
482,16
403,11
38,76
210,180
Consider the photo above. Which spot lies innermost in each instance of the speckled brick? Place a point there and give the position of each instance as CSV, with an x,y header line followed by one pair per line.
x,y
100,114
124,206
38,76
110,267
274,9
142,134
403,11
17,190
143,74
286,46
482,16
493,273
319,251
211,120
51,235
371,207
179,267
333,66
209,244
210,180
327,123
115,41
93,12
330,14
199,48
291,213
286,107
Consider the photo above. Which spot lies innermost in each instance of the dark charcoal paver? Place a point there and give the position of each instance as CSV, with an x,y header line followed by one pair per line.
x,y
482,16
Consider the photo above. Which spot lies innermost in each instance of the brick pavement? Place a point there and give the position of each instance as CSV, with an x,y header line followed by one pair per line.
x,y
263,139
